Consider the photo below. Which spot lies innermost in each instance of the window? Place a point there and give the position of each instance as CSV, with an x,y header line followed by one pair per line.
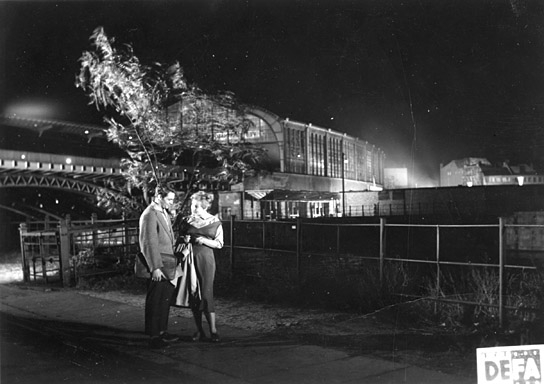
x,y
259,131
295,150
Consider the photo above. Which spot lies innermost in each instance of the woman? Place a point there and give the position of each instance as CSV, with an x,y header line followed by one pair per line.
x,y
203,231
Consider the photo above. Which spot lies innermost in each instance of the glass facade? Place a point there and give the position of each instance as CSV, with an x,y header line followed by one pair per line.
x,y
316,156
321,152
295,150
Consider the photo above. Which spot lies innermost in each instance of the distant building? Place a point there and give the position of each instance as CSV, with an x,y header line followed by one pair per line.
x,y
456,172
522,175
474,171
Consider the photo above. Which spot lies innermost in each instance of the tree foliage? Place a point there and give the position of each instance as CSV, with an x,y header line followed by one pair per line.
x,y
161,120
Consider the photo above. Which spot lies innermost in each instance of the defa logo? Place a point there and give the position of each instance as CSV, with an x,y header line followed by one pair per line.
x,y
510,365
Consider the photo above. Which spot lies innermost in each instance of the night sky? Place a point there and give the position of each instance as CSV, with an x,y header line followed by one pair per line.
x,y
426,81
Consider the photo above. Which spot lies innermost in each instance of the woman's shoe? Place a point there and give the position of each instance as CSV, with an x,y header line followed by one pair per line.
x,y
197,336
215,338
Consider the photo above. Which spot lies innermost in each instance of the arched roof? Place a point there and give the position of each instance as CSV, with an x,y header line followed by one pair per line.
x,y
275,124
273,120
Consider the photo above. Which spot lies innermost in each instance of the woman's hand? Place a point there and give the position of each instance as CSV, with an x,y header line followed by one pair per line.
x,y
187,239
199,240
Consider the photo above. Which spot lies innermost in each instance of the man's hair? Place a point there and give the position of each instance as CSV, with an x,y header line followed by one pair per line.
x,y
162,190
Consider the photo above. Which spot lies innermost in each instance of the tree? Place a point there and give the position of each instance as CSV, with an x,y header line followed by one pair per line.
x,y
161,120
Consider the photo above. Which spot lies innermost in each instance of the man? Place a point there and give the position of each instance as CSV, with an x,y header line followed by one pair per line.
x,y
158,265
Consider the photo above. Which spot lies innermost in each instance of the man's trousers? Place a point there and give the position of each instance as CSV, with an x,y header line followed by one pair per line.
x,y
157,306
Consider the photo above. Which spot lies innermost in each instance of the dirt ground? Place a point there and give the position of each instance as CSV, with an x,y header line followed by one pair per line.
x,y
383,334
387,334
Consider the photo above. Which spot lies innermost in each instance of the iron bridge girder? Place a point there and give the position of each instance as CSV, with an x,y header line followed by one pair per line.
x,y
49,181
52,181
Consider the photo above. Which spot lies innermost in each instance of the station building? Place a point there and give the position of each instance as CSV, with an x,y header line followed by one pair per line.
x,y
311,169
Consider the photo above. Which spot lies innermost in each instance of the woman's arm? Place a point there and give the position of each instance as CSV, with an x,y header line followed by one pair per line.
x,y
216,243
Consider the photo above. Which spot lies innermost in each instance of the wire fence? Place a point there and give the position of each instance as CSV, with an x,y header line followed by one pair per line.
x,y
75,249
437,247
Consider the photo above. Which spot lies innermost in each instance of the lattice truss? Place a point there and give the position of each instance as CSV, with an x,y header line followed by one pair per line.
x,y
80,183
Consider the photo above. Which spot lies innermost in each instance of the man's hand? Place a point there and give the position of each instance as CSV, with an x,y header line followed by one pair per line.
x,y
157,275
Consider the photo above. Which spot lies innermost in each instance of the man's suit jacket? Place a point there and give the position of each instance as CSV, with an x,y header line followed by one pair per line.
x,y
156,243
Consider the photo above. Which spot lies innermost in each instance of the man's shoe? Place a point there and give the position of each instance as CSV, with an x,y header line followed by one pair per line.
x,y
169,338
158,343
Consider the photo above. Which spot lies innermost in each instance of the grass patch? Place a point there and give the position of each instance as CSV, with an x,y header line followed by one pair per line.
x,y
523,322
126,283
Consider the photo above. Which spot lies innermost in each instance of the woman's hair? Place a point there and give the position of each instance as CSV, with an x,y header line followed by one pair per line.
x,y
204,198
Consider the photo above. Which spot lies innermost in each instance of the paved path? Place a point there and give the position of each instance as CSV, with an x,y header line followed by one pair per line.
x,y
241,357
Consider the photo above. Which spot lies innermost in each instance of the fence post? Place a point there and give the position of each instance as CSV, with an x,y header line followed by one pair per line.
x,y
126,238
94,218
501,270
231,239
264,235
337,240
64,235
299,250
437,266
382,248
23,229
43,254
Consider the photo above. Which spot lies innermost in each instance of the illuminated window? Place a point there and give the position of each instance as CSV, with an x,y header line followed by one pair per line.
x,y
259,131
295,146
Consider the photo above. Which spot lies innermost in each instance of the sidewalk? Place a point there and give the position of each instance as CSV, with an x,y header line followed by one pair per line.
x,y
241,357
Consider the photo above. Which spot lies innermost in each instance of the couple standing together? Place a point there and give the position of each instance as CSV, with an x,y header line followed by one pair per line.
x,y
183,278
